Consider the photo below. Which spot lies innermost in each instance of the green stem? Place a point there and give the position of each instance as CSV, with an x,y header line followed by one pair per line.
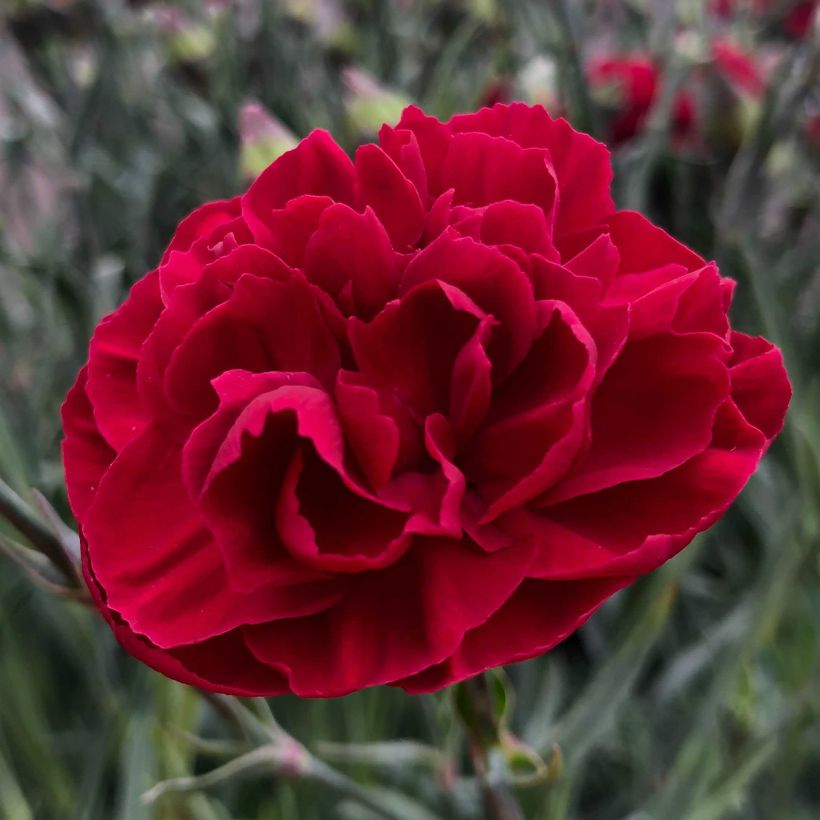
x,y
485,752
585,115
43,539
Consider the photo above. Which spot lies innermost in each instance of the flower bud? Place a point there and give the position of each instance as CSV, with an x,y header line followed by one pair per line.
x,y
262,137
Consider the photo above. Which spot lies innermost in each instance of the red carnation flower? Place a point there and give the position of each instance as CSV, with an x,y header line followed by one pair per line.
x,y
404,418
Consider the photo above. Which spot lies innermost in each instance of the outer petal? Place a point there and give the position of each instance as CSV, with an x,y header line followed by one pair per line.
x,y
181,266
86,454
644,247
433,139
137,645
483,169
607,324
580,163
112,363
635,526
539,615
654,410
760,386
185,306
202,223
437,592
316,166
157,562
381,185
403,148
222,664
292,227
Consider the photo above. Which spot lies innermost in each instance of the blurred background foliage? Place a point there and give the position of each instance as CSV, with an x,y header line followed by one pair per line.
x,y
694,695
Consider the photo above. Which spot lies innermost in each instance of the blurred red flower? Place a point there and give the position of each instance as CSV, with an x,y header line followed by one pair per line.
x,y
628,86
740,70
796,18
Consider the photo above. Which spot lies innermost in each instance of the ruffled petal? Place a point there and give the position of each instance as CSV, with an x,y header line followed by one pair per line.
x,y
266,324
760,385
645,247
413,344
350,257
158,563
538,418
581,164
436,593
482,169
316,166
492,280
653,410
640,524
539,615
381,185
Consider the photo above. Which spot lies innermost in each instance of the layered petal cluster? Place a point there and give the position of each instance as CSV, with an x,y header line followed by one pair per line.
x,y
401,418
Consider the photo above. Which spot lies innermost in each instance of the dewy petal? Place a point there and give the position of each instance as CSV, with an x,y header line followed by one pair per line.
x,y
316,166
381,185
86,454
653,410
112,363
393,623
158,563
351,252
